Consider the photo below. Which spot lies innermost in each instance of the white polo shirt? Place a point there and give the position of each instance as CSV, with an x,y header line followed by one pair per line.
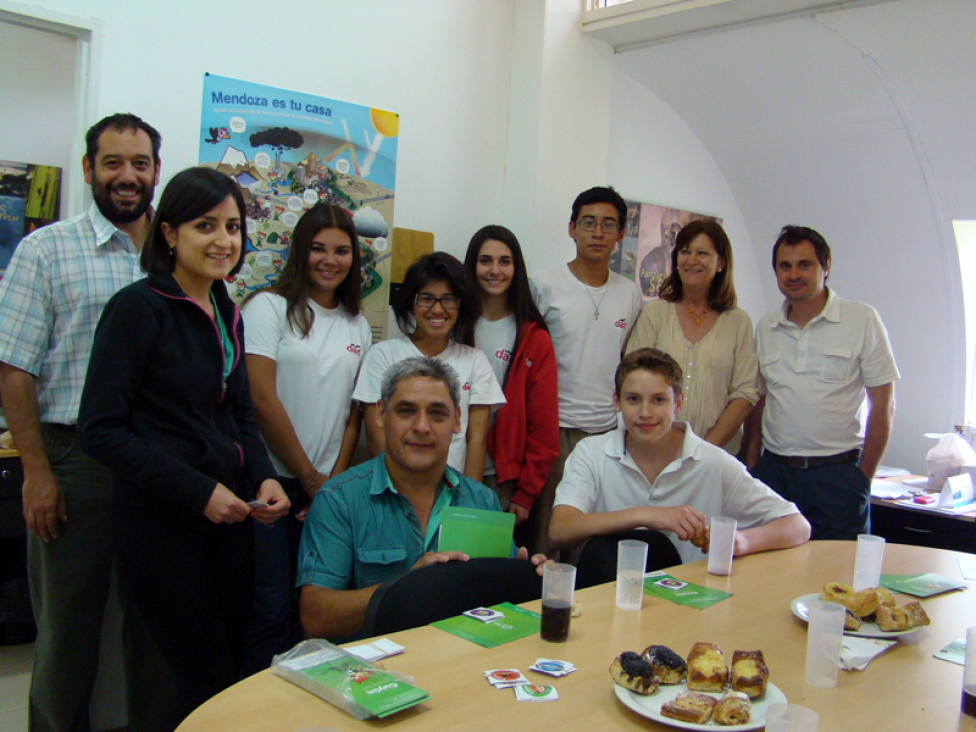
x,y
587,348
601,476
814,377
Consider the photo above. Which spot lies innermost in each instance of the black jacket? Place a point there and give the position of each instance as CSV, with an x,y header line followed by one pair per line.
x,y
155,408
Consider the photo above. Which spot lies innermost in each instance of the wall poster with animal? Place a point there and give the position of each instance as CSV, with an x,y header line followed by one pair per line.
x,y
644,255
289,150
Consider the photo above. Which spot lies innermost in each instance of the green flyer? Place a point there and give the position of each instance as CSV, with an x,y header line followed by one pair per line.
x,y
920,585
476,532
516,623
659,584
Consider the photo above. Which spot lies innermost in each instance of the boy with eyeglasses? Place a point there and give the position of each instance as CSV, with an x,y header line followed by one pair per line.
x,y
590,311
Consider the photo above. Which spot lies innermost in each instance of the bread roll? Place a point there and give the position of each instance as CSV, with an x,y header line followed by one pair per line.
x,y
706,668
669,667
634,673
733,708
749,673
864,602
690,706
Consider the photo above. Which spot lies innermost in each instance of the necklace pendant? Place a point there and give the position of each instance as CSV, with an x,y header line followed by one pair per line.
x,y
596,315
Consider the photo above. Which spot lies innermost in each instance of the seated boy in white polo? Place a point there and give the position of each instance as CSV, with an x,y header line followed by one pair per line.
x,y
656,473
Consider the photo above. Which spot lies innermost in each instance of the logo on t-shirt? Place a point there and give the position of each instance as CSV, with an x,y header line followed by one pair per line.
x,y
528,362
355,348
622,323
466,386
503,355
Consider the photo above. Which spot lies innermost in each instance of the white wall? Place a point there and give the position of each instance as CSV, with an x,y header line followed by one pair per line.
x,y
654,157
442,65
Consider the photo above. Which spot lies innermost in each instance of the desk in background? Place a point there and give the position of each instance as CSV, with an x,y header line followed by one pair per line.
x,y
904,689
902,524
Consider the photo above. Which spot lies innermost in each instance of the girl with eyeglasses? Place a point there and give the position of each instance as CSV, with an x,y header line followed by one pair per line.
x,y
437,307
523,442
305,339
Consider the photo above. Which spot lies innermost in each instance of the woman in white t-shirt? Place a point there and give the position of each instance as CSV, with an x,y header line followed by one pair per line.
x,y
305,338
437,307
523,442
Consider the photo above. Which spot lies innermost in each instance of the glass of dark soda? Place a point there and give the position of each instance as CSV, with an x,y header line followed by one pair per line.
x,y
558,583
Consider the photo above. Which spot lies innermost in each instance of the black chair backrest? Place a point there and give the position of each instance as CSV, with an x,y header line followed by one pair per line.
x,y
597,562
440,591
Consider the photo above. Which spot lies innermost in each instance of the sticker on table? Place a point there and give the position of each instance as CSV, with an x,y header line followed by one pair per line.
x,y
533,692
484,614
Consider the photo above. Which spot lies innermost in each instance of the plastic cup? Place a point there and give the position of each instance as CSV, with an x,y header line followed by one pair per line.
x,y
631,561
867,561
790,718
558,582
720,544
824,635
969,675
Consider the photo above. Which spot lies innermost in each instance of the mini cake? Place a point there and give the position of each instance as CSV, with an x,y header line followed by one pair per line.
x,y
668,666
634,673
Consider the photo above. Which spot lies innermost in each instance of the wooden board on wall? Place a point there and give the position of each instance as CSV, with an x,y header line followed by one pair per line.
x,y
408,245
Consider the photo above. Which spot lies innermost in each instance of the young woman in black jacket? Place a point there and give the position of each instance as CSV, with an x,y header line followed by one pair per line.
x,y
166,406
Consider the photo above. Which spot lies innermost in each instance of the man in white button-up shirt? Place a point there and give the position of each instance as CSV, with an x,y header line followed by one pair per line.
x,y
819,355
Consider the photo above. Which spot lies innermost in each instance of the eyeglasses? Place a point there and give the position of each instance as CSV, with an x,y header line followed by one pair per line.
x,y
607,226
426,301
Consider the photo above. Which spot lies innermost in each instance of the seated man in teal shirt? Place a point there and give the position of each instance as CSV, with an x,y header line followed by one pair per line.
x,y
380,519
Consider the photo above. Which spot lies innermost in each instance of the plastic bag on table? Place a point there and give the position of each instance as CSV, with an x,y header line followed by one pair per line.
x,y
345,680
950,457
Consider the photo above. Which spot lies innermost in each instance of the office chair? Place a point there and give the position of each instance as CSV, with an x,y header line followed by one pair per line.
x,y
596,561
440,591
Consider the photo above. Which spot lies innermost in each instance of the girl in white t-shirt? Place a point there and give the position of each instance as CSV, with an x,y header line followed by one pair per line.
x,y
437,307
523,442
305,339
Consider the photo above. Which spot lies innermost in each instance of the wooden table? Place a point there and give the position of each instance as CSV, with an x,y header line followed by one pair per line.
x,y
904,689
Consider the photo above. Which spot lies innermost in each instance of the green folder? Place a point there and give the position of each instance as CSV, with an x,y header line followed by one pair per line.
x,y
667,587
476,532
920,585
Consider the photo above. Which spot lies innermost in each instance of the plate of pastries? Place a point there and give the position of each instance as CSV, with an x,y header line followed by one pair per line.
x,y
871,613
699,691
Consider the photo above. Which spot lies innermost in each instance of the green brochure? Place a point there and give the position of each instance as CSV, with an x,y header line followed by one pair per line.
x,y
350,683
955,652
659,584
476,532
516,623
920,585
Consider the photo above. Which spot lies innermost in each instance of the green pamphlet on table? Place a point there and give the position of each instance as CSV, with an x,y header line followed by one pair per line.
x,y
516,623
920,585
666,587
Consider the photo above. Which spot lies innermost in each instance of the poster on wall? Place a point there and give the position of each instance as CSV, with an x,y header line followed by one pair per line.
x,y
287,151
30,197
644,255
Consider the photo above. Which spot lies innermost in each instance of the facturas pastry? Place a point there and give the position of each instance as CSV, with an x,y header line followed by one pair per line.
x,y
733,708
669,667
690,706
749,673
706,668
634,673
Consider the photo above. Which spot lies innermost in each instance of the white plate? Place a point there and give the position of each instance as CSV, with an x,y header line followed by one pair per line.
x,y
801,608
650,706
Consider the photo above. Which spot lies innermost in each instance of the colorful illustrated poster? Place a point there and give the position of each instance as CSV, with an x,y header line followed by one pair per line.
x,y
645,252
288,151
30,197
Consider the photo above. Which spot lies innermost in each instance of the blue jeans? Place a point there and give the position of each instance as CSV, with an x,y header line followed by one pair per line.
x,y
274,625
